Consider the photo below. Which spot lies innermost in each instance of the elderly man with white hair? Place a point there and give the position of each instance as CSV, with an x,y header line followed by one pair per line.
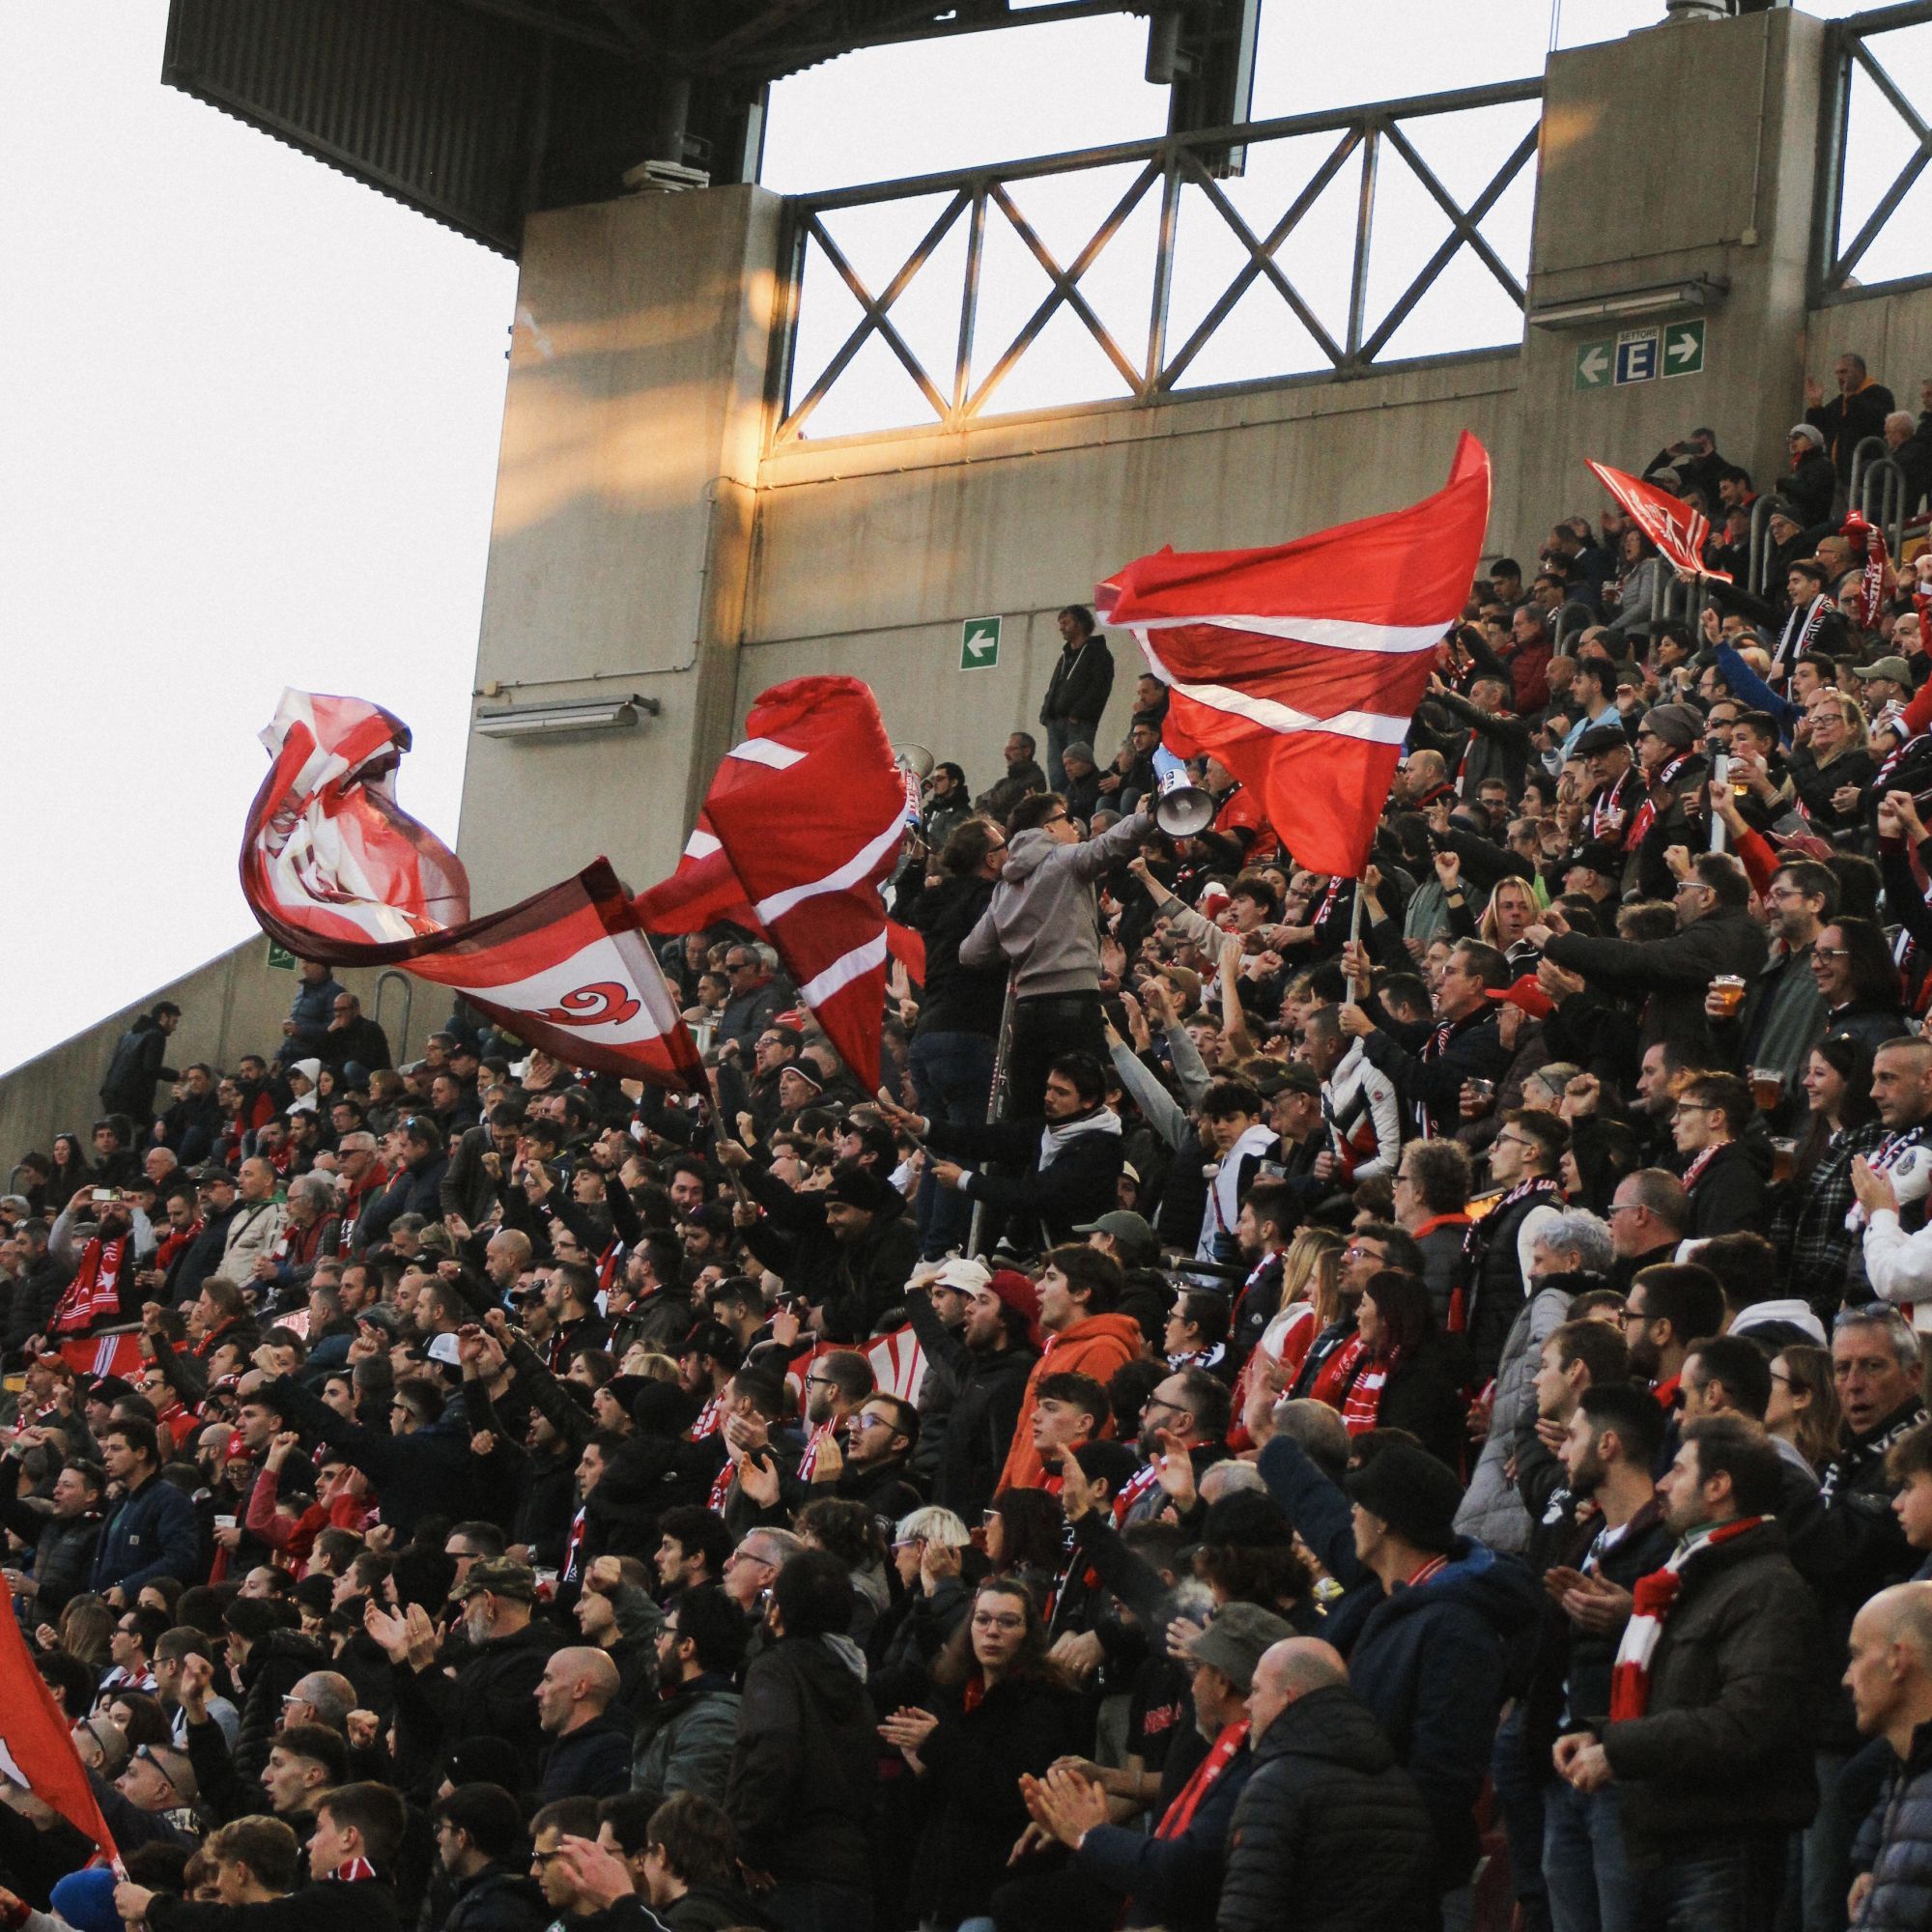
x,y
311,1231
1570,1253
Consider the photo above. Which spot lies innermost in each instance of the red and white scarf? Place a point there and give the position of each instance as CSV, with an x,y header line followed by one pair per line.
x,y
355,1871
1606,808
1868,540
573,1547
1646,812
808,1462
1696,1171
1797,636
1653,1600
1133,1490
1176,1819
94,1294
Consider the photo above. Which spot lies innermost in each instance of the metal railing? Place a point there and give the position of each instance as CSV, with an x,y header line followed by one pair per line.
x,y
1864,103
1161,199
399,1039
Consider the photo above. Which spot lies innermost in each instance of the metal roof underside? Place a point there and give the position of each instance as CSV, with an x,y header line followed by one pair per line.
x,y
478,112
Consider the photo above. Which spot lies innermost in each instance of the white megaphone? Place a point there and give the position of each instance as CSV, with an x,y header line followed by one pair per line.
x,y
916,759
1182,809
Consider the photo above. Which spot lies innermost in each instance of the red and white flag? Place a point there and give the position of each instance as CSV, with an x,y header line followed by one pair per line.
x,y
1300,667
801,829
899,1364
334,869
37,1748
1679,531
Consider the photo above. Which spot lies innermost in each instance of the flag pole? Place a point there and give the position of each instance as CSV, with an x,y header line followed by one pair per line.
x,y
996,1105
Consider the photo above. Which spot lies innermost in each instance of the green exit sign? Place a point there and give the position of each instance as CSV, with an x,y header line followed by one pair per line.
x,y
979,643
280,958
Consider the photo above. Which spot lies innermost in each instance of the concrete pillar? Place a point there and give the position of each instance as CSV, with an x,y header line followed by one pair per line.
x,y
622,534
1684,150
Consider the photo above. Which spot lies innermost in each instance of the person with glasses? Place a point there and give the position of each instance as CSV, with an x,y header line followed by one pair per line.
x,y
1858,980
1669,1308
1723,1179
1000,1712
835,1385
1784,1012
1335,1354
760,994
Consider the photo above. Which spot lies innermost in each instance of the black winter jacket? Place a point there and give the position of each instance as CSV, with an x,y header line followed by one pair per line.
x,y
973,1762
1082,682
1330,1834
492,1695
1726,1743
332,1906
593,1761
276,1664
991,1390
1081,1186
804,1773
1676,973
958,999
63,1547
499,1899
1896,1846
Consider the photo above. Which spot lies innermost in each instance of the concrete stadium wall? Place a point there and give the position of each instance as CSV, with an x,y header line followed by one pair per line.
x,y
645,540
234,1004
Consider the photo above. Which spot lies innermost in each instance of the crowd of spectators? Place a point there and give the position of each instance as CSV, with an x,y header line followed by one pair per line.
x,y
1412,1413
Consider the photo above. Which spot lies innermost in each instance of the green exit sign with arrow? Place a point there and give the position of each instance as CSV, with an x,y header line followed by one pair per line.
x,y
979,643
1594,362
1684,347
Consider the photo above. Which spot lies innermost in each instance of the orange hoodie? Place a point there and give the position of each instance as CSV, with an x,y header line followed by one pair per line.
x,y
1096,1346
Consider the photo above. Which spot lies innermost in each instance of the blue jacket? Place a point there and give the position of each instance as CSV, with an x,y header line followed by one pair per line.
x,y
416,1189
148,1534
311,1011
1172,1882
1896,1845
1429,1662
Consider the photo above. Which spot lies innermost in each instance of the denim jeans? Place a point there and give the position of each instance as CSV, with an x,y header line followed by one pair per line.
x,y
952,1075
1520,1796
1730,1883
1586,1870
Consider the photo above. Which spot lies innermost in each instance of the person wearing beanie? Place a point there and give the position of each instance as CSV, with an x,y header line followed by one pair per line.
x,y
988,1358
1428,1620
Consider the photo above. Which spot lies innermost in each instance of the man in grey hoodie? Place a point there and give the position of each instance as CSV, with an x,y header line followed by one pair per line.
x,y
1043,925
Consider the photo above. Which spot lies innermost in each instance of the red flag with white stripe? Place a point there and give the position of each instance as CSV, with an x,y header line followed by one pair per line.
x,y
1679,531
1300,667
801,829
334,869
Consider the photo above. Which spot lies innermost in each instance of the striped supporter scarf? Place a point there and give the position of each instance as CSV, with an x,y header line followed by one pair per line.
x,y
1653,1600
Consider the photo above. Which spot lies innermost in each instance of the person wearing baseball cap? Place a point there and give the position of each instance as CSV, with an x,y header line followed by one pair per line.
x,y
1167,1878
1123,1234
988,1359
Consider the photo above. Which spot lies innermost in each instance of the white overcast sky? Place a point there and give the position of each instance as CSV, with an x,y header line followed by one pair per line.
x,y
251,409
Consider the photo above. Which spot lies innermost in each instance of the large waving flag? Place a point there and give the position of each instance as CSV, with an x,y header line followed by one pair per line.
x,y
37,1747
1677,529
334,869
800,832
1300,667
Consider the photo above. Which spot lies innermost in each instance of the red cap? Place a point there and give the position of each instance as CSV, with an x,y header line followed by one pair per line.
x,y
1017,1293
1525,993
238,1450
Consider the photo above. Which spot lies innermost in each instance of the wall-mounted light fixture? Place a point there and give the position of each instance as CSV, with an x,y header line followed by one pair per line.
x,y
580,716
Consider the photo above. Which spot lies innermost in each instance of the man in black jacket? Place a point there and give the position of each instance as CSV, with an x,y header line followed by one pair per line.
x,y
493,1691
1709,1738
1083,680
1329,1829
63,1536
1724,1180
479,1830
1067,1165
127,1087
990,1358
800,1783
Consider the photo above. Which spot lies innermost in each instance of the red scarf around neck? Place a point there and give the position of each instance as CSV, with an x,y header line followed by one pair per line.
x,y
1653,1600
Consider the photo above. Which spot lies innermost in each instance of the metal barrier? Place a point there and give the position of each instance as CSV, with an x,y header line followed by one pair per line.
x,y
1863,102
1758,570
399,1039
1883,505
1162,200
1572,622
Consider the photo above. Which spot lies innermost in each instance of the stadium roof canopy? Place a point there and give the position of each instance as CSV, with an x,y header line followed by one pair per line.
x,y
478,112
